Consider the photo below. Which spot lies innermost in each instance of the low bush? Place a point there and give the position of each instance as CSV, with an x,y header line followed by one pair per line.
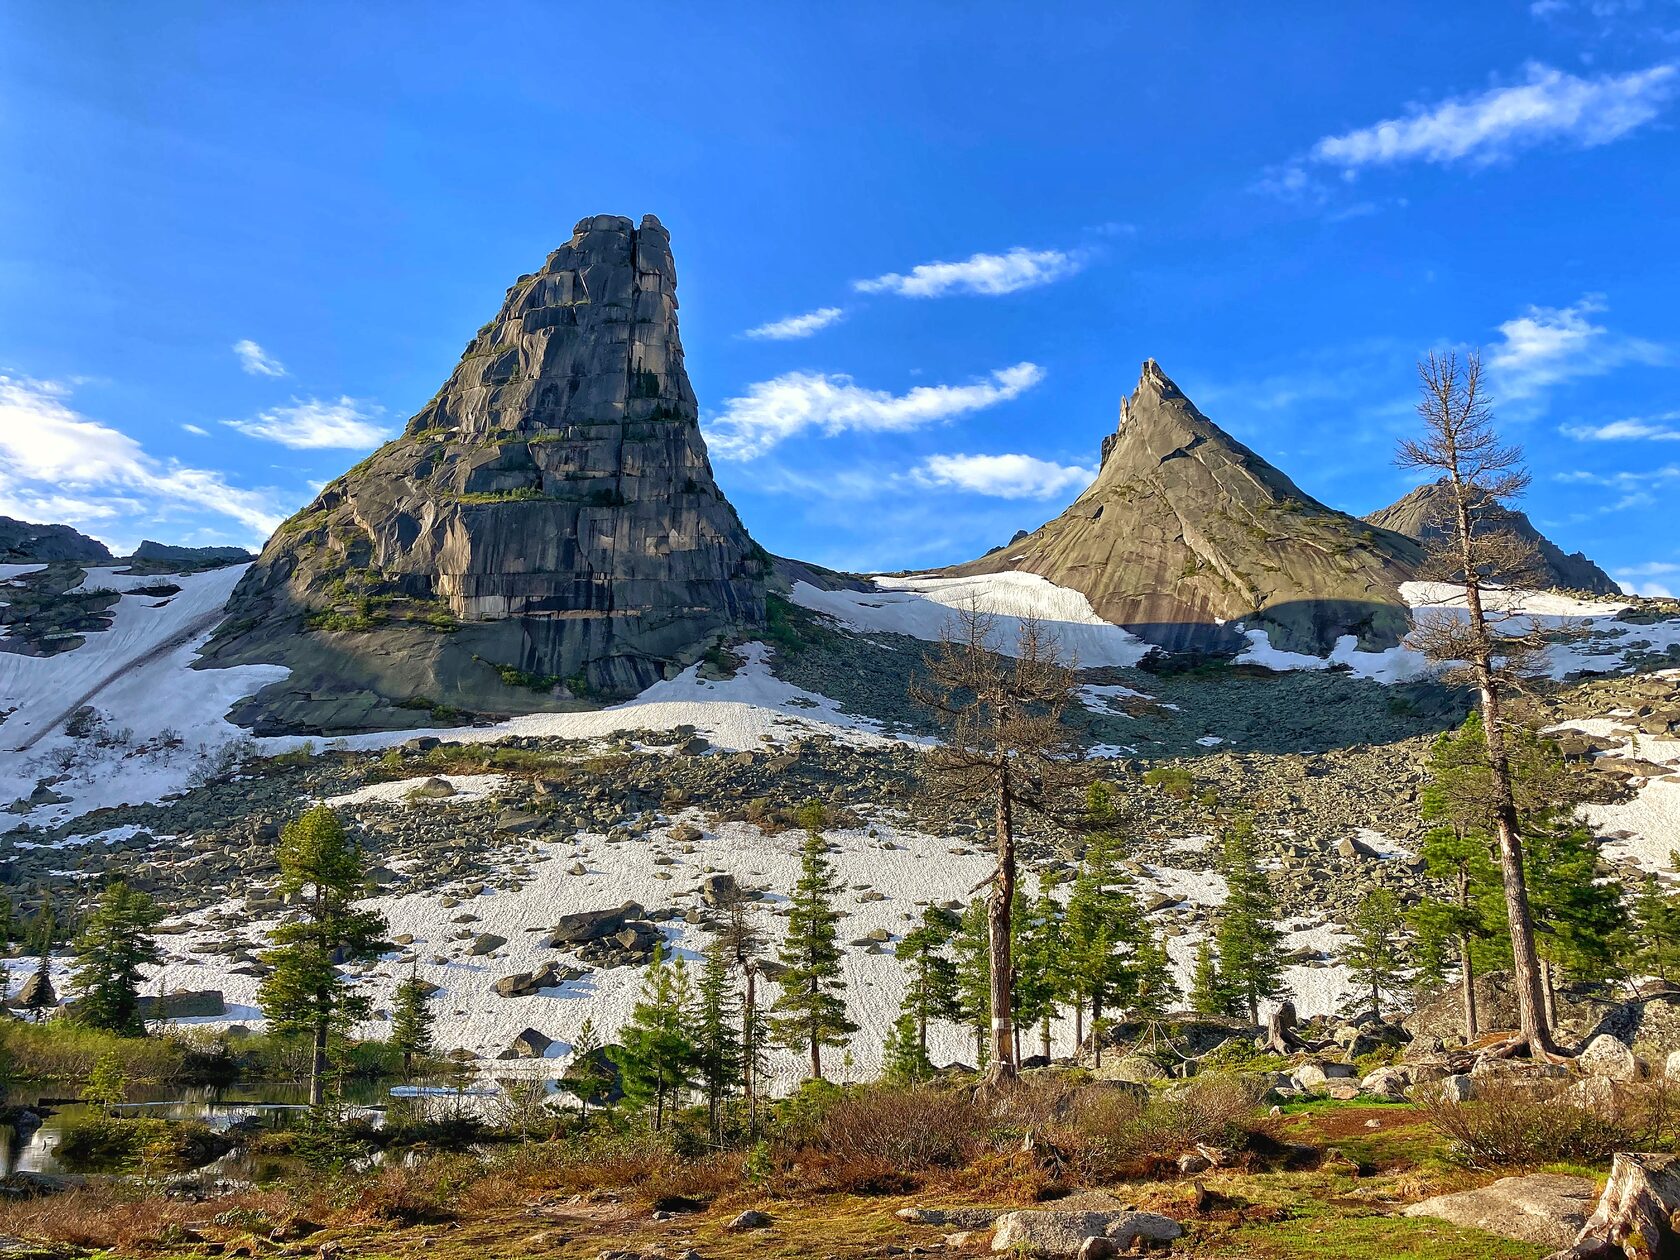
x,y
60,1050
1518,1123
126,1143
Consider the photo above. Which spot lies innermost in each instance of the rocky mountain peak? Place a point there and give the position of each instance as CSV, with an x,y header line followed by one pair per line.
x,y
549,517
1186,532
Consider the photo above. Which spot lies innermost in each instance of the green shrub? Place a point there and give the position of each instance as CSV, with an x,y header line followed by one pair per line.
x,y
122,1143
1175,781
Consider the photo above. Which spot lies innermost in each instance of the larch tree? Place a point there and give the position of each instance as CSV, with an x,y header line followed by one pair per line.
x,y
1041,942
1003,749
114,944
1248,940
743,941
809,1013
1104,927
589,1074
1209,993
322,869
1458,442
973,948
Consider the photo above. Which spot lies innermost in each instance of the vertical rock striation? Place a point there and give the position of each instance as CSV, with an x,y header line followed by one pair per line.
x,y
1186,532
547,525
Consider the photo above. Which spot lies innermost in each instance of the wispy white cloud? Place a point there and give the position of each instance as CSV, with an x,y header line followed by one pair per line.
x,y
309,424
1553,105
797,326
1547,345
1635,429
56,464
1655,579
257,361
195,430
1003,476
772,411
986,274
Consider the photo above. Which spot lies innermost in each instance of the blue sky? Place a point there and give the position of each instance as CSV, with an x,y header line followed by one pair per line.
x,y
240,242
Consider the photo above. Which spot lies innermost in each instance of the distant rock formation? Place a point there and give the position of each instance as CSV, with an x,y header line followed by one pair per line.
x,y
23,543
1186,532
1424,514
546,527
149,552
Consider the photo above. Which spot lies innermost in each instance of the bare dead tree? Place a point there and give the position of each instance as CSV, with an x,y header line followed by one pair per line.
x,y
1005,745
1460,442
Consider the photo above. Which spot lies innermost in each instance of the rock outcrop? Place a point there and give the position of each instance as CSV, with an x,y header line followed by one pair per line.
x,y
1186,537
547,528
1424,514
23,543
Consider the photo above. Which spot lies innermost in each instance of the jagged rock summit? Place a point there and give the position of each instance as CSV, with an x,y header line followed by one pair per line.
x,y
546,527
1425,514
24,543
1185,533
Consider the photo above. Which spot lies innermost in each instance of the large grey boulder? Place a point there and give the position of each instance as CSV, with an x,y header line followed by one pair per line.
x,y
1610,1060
546,529
1055,1232
1186,532
1545,1209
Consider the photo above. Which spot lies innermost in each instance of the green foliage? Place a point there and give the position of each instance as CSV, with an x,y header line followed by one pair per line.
x,y
589,1074
972,944
412,1022
107,1085
114,944
1173,780
930,992
716,1034
523,494
513,676
1104,926
1038,954
809,1013
1250,957
1656,927
789,627
60,1050
904,1057
1209,993
660,1058
1374,956
322,867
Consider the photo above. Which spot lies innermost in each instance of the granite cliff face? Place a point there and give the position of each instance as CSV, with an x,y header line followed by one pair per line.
x,y
546,527
1186,532
1425,514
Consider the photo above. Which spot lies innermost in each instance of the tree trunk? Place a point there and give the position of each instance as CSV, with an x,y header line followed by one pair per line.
x,y
1096,1030
816,1058
1525,968
1470,1030
749,1051
998,913
1078,1027
1044,1036
1634,1212
318,1063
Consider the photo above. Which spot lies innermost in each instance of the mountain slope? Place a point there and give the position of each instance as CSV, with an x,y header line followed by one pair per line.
x,y
1186,531
546,527
1423,514
23,543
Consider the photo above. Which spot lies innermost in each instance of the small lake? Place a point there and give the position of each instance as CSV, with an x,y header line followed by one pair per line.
x,y
271,1104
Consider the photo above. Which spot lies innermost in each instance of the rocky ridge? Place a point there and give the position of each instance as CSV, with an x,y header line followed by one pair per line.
x,y
1423,514
1185,533
24,543
546,528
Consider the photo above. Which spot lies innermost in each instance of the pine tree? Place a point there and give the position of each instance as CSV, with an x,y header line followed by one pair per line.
x,y
1155,987
589,1073
1583,923
904,1060
717,1037
1209,994
972,945
930,975
412,1021
744,942
114,944
1041,953
1375,961
1104,926
38,995
322,866
659,1058
810,1012
1656,926
1250,958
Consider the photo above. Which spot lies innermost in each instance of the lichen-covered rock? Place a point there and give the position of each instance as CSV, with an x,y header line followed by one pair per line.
x,y
1610,1060
546,528
1544,1209
1186,532
1063,1232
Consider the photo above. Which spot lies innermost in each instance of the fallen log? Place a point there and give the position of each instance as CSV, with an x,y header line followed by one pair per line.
x,y
1634,1219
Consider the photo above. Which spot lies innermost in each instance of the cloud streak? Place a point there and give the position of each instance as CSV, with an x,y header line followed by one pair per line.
x,y
795,327
309,424
1634,429
1003,476
1548,345
772,411
988,275
255,361
58,464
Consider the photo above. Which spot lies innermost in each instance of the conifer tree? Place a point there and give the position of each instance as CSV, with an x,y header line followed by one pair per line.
x,y
930,975
1250,958
810,1011
1104,926
412,1021
660,1058
717,1037
744,942
1375,960
589,1073
38,994
1583,922
1154,986
904,1059
1209,994
1041,953
322,867
1656,926
114,944
974,976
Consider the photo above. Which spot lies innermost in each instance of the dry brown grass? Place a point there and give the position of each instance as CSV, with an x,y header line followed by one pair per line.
x,y
125,1219
1515,1123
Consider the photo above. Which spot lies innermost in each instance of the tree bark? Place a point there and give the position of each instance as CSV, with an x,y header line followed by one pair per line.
x,y
998,924
1634,1213
1469,969
749,1050
318,1062
1525,968
1096,1030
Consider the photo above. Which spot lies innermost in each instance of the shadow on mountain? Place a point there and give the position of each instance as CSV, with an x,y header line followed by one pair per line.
x,y
1298,625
